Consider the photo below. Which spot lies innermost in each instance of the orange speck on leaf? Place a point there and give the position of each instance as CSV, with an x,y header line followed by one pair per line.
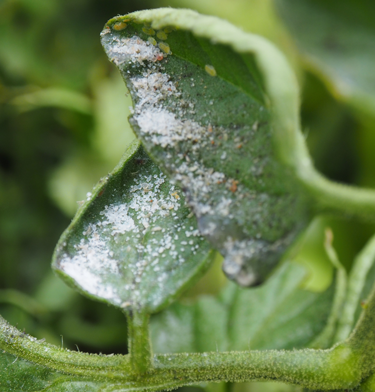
x,y
119,26
175,194
233,187
363,304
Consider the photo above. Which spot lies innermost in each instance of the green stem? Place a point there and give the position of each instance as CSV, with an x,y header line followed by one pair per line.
x,y
318,369
24,346
338,368
23,301
357,279
139,344
333,197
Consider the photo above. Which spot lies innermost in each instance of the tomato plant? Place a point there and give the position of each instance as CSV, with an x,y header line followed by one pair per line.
x,y
220,165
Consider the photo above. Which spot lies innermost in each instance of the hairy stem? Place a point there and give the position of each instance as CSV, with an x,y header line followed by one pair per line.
x,y
139,344
338,368
24,346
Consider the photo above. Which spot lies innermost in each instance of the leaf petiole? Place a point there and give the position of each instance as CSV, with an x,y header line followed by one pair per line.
x,y
139,343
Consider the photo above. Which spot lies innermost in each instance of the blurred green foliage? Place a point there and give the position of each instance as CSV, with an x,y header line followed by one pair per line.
x,y
63,125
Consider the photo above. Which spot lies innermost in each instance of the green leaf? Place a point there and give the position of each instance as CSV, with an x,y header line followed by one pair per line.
x,y
365,292
278,315
337,41
112,109
17,374
368,385
74,177
133,244
327,337
361,278
202,97
23,301
54,97
201,327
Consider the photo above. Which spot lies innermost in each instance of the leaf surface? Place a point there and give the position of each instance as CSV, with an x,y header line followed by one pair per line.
x,y
337,40
16,374
134,243
365,291
202,111
278,315
20,375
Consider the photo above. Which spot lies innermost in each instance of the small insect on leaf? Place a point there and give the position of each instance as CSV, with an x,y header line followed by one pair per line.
x,y
165,47
119,26
152,41
162,35
148,30
210,70
168,30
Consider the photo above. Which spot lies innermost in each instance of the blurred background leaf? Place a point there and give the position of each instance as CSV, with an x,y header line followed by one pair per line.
x,y
63,125
277,315
337,43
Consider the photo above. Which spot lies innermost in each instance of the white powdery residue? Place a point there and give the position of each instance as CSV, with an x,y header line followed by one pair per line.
x,y
117,216
168,130
194,233
200,182
238,253
223,206
133,50
88,280
160,114
88,264
147,201
105,32
160,122
152,89
94,254
148,204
